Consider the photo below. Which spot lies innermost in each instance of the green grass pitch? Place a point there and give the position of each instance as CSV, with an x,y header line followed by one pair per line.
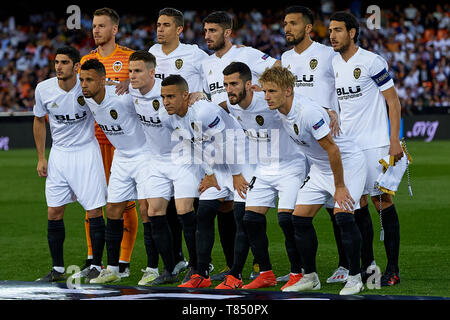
x,y
424,227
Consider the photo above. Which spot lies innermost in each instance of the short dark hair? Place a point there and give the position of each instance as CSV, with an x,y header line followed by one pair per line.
x,y
94,64
111,13
177,80
71,52
177,15
245,74
145,56
220,17
350,21
307,14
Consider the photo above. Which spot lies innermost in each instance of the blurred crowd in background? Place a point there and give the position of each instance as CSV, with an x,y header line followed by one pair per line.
x,y
414,39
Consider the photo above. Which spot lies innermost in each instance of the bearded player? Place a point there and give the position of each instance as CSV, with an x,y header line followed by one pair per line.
x,y
105,25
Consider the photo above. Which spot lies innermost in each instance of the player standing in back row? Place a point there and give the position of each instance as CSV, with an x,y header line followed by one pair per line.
x,y
105,25
364,85
311,64
174,57
218,27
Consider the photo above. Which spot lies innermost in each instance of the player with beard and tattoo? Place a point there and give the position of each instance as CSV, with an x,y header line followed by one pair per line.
x,y
218,29
278,175
310,62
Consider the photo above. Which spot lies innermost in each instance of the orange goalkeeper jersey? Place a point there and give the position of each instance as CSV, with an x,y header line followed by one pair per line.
x,y
116,65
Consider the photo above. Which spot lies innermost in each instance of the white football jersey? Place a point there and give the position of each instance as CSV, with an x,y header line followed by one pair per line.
x,y
71,121
268,142
213,66
118,119
314,73
359,83
147,107
308,122
185,61
202,121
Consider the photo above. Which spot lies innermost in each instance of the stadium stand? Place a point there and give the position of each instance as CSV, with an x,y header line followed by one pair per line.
x,y
414,39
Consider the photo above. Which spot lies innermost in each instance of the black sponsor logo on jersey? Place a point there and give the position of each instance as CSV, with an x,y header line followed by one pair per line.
x,y
155,104
150,121
313,63
178,63
113,129
304,81
69,118
113,114
81,101
215,86
357,73
305,78
347,93
349,90
259,120
295,128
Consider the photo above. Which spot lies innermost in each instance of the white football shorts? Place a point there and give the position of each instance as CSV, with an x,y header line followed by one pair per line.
x,y
174,180
267,188
130,178
76,175
225,182
319,189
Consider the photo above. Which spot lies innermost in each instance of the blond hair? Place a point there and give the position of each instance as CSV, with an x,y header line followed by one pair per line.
x,y
279,75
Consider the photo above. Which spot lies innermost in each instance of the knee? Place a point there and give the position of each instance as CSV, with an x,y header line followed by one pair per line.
x,y
155,209
239,211
343,218
206,213
301,223
386,201
253,218
143,213
284,219
95,213
55,213
114,210
226,206
184,206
